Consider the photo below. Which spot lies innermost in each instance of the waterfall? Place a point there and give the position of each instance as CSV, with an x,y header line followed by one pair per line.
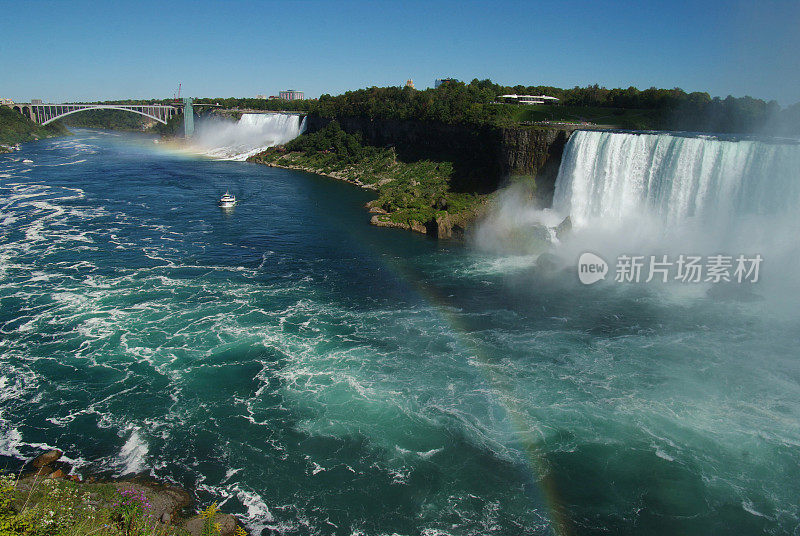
x,y
662,194
670,193
253,133
675,179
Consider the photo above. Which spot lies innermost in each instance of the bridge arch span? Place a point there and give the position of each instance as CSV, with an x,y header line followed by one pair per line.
x,y
104,107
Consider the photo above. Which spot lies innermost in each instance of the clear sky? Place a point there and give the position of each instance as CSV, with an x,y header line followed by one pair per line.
x,y
82,50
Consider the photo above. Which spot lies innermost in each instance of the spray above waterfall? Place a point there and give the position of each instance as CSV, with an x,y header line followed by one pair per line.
x,y
252,133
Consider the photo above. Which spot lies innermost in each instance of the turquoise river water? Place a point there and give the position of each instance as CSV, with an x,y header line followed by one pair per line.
x,y
316,375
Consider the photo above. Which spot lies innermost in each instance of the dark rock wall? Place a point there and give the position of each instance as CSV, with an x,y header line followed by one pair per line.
x,y
536,153
484,157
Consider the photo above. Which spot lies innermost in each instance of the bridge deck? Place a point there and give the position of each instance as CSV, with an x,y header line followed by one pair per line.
x,y
47,113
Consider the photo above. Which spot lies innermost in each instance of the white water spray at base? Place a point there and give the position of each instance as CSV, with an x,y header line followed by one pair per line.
x,y
237,140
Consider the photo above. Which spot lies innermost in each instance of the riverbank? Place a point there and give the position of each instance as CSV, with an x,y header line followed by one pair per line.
x,y
48,496
16,128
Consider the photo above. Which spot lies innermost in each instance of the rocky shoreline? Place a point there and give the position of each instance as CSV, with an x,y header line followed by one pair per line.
x,y
169,506
446,226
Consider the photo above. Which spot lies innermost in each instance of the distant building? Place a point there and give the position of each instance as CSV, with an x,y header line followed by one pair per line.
x,y
442,81
6,101
261,96
410,83
36,101
527,99
291,94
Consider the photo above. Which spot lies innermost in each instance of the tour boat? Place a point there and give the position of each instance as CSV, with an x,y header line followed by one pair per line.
x,y
227,200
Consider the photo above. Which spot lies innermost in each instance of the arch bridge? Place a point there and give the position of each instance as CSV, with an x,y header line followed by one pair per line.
x,y
47,113
44,114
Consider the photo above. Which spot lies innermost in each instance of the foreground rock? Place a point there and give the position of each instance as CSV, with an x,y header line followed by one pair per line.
x,y
47,458
564,228
456,225
167,504
385,221
227,525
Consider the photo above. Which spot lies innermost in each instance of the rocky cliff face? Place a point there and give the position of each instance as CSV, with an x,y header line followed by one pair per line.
x,y
484,157
534,152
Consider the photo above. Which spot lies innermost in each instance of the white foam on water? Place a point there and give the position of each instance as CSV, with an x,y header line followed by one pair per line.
x,y
10,439
748,507
65,163
664,456
132,456
16,386
499,265
425,455
258,516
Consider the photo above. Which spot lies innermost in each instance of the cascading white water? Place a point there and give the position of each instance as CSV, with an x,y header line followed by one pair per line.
x,y
617,177
663,194
253,133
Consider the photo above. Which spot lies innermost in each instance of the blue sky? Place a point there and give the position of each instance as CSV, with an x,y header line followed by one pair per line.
x,y
104,50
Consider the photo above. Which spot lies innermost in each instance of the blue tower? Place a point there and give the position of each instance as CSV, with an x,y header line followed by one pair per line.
x,y
188,118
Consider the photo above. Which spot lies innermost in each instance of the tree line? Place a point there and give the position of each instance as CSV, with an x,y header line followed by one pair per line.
x,y
475,103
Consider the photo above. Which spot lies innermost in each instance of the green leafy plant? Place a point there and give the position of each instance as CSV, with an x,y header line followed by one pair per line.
x,y
11,524
210,526
131,508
